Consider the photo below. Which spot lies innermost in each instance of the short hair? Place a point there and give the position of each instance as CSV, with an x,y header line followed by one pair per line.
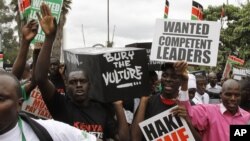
x,y
200,77
166,66
18,85
228,83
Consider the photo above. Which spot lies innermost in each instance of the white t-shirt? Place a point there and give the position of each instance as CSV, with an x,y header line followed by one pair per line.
x,y
58,131
216,89
201,99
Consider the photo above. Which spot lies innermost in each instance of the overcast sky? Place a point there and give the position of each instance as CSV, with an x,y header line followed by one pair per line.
x,y
134,21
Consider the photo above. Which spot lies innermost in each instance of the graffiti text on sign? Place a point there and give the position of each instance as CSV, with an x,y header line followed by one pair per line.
x,y
126,74
118,56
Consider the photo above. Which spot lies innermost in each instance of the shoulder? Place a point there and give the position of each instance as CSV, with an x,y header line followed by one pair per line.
x,y
244,112
62,131
207,107
154,98
218,86
206,95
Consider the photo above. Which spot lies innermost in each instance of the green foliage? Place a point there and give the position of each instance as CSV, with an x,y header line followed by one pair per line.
x,y
235,34
9,40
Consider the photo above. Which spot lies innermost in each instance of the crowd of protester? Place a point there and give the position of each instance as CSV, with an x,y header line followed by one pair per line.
x,y
209,107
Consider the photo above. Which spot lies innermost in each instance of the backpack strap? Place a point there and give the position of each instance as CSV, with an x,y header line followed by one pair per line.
x,y
39,130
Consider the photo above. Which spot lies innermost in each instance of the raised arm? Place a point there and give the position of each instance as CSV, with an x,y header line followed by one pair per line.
x,y
29,32
136,134
28,87
123,128
48,24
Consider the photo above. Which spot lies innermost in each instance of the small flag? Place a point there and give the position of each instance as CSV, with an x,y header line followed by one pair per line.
x,y
1,56
197,11
232,60
166,9
1,60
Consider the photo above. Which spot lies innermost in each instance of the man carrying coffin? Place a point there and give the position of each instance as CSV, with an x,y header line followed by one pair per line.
x,y
76,109
171,81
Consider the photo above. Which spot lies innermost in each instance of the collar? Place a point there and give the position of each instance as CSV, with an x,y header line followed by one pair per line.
x,y
9,133
223,109
215,87
199,95
167,101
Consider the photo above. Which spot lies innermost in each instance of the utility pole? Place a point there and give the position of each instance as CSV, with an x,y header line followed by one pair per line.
x,y
83,36
109,44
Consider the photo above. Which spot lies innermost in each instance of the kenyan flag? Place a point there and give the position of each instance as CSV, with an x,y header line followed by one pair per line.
x,y
197,11
1,57
1,60
166,9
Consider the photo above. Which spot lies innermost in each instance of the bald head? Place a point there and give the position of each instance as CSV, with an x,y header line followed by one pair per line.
x,y
230,83
212,74
14,82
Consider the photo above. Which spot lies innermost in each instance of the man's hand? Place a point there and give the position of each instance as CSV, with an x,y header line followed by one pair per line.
x,y
180,111
47,21
29,31
118,102
181,69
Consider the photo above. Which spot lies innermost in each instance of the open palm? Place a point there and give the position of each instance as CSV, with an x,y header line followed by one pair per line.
x,y
30,30
47,21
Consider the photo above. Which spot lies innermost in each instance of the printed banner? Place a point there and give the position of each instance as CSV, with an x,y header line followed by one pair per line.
x,y
166,127
235,60
152,65
23,6
241,71
29,9
36,106
231,60
114,73
196,42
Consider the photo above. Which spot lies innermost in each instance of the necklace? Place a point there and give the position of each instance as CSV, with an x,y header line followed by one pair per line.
x,y
167,101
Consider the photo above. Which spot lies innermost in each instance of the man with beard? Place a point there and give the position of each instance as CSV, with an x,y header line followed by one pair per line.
x,y
172,81
16,126
76,109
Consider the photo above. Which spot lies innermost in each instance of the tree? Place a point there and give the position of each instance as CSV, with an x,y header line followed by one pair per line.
x,y
59,37
9,40
234,37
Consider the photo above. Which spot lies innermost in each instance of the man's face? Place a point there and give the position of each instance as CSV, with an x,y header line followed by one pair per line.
x,y
191,92
231,98
212,79
54,66
9,105
78,86
201,86
170,82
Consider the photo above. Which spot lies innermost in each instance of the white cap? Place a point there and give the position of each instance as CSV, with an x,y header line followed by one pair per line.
x,y
191,81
